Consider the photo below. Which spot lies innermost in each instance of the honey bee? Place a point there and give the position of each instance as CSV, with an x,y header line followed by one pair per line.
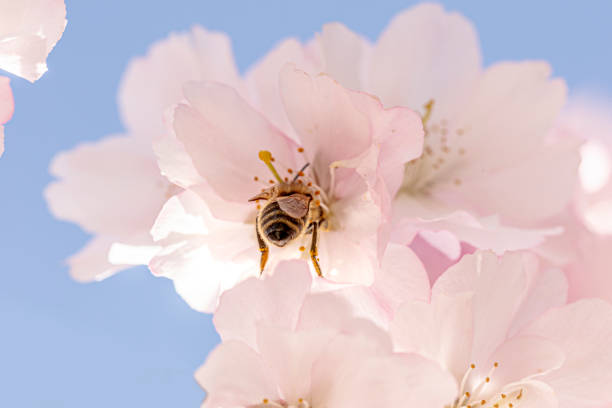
x,y
291,211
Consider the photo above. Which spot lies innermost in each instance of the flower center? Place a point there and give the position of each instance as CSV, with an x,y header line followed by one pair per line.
x,y
440,153
477,392
303,179
267,403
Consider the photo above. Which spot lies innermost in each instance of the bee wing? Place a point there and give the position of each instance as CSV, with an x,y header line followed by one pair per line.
x,y
296,205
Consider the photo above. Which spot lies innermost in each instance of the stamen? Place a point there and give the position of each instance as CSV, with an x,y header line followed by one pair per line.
x,y
480,386
428,108
266,157
465,396
256,178
302,248
300,150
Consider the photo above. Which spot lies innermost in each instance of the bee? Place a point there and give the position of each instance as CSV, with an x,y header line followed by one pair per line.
x,y
290,212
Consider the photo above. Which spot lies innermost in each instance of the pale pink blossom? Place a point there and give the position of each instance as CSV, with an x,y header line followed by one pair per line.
x,y
502,327
488,168
6,107
113,188
584,251
29,29
590,118
489,172
288,348
356,151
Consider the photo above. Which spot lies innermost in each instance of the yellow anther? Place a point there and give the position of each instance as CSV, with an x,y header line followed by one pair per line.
x,y
428,108
496,364
266,157
265,400
472,366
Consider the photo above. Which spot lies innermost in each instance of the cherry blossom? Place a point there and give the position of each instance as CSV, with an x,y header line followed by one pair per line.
x,y
113,188
351,151
29,29
292,349
479,160
6,107
502,327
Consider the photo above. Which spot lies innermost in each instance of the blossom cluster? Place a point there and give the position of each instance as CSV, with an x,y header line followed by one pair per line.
x,y
381,223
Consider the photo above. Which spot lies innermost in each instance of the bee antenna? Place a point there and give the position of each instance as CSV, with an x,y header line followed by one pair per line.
x,y
300,172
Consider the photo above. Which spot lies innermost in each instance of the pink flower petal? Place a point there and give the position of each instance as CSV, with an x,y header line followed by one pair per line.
x,y
291,356
522,357
584,331
263,79
329,125
442,330
344,54
225,150
28,32
350,362
547,290
235,375
277,298
401,277
1,140
91,262
422,51
518,161
96,180
499,287
153,83
7,105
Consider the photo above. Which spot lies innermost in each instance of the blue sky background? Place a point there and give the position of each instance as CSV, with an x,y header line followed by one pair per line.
x,y
130,341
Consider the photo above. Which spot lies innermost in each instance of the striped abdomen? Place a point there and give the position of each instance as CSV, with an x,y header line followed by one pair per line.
x,y
279,227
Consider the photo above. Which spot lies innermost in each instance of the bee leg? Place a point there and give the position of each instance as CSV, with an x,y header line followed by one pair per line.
x,y
263,248
313,249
